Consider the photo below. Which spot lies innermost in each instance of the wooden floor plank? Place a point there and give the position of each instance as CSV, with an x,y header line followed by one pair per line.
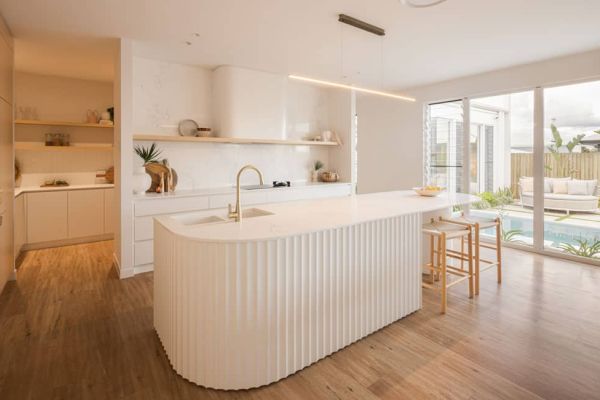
x,y
70,329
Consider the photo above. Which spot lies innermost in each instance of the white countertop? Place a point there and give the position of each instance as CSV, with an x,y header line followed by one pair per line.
x,y
227,190
299,217
29,189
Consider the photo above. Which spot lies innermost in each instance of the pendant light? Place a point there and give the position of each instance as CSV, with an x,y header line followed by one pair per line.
x,y
371,29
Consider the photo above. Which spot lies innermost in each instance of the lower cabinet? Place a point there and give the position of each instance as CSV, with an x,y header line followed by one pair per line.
x,y
47,216
20,224
86,213
63,215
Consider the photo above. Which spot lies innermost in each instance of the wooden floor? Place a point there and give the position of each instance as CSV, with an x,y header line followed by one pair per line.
x,y
69,329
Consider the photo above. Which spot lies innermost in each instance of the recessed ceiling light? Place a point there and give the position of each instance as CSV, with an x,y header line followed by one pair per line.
x,y
421,3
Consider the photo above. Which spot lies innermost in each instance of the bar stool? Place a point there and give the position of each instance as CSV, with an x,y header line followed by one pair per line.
x,y
438,263
476,224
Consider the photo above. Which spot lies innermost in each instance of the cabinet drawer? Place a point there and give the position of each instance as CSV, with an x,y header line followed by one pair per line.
x,y
143,228
143,252
169,206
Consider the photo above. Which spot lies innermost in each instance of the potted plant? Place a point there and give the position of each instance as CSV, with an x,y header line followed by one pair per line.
x,y
149,155
315,172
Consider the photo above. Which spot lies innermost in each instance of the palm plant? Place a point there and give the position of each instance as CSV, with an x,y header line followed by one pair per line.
x,y
585,248
148,154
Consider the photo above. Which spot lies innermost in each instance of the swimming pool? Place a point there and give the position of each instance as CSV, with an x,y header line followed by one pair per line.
x,y
555,233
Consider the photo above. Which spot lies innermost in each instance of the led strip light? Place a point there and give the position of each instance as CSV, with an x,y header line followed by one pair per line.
x,y
350,87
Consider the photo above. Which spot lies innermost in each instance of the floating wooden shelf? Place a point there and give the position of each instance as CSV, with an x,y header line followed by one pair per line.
x,y
60,123
164,138
35,146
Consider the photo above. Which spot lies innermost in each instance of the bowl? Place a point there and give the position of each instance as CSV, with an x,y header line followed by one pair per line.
x,y
429,191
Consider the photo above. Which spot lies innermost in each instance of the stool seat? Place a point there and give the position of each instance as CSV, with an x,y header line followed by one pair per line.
x,y
452,231
483,222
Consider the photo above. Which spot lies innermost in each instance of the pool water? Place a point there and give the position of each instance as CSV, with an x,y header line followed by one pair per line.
x,y
555,233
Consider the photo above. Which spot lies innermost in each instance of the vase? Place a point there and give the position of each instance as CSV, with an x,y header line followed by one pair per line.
x,y
314,177
141,180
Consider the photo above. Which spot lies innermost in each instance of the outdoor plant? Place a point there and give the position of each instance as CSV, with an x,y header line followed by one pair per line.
x,y
557,141
511,235
585,248
148,154
501,197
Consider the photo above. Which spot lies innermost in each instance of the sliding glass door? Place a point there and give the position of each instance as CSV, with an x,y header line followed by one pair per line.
x,y
532,158
444,145
501,163
572,169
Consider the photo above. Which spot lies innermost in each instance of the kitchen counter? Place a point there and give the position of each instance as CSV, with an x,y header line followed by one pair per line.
x,y
30,189
228,190
299,217
241,305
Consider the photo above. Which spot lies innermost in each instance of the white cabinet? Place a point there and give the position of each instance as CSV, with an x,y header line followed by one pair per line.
x,y
109,211
20,224
86,213
47,216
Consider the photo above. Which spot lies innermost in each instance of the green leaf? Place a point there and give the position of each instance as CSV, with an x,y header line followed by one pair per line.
x,y
558,142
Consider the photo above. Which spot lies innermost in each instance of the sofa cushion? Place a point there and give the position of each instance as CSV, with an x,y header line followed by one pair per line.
x,y
526,184
560,187
580,185
569,197
577,187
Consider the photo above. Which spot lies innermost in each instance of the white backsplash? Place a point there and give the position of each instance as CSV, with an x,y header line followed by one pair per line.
x,y
216,165
165,93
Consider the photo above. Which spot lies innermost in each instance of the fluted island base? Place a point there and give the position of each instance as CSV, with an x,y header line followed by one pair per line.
x,y
238,315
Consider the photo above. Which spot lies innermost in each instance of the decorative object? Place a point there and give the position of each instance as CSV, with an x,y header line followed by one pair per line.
x,y
92,116
429,191
203,132
110,175
57,139
314,177
329,176
148,154
111,111
17,173
141,180
188,127
105,119
55,183
159,172
326,136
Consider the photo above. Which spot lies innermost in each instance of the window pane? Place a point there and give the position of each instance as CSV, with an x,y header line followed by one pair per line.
x,y
443,145
501,163
572,169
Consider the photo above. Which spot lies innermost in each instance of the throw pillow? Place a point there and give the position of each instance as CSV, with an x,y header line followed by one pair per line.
x,y
590,186
560,187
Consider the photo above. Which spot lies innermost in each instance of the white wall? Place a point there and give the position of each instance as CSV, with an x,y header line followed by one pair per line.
x,y
123,142
6,156
405,127
61,99
165,93
389,157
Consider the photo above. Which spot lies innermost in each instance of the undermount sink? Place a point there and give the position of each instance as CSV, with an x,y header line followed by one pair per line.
x,y
255,212
198,219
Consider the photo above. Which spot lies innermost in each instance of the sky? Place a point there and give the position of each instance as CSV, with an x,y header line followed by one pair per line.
x,y
574,109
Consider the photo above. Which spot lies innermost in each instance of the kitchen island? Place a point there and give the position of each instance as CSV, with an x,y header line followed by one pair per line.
x,y
241,305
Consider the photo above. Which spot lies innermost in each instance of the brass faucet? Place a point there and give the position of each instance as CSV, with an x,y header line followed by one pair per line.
x,y
237,213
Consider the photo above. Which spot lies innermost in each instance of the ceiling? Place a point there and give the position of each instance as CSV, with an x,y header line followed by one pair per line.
x,y
456,38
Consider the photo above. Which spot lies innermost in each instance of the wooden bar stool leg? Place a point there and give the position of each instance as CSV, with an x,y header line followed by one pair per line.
x,y
470,262
442,250
499,249
432,258
462,251
477,258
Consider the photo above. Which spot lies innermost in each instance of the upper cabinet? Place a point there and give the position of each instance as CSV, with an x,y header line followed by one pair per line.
x,y
6,65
